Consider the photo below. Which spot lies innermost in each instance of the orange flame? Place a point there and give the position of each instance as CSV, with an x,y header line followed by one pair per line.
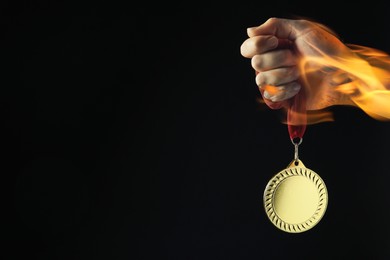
x,y
364,78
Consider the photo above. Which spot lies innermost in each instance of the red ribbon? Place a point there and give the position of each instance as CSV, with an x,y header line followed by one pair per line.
x,y
296,116
296,113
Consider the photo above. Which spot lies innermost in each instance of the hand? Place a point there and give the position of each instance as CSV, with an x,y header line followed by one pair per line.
x,y
290,54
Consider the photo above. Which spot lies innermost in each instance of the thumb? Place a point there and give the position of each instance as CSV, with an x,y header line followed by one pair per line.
x,y
281,28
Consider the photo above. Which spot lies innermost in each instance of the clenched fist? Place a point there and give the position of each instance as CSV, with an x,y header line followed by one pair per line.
x,y
298,55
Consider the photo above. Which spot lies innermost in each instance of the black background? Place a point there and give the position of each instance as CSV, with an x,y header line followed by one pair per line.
x,y
134,131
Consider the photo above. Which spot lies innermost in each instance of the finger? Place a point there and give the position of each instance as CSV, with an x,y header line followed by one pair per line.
x,y
271,104
274,59
278,76
275,105
258,45
282,92
281,28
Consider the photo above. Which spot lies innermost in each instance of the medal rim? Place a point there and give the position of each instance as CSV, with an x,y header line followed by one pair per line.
x,y
273,185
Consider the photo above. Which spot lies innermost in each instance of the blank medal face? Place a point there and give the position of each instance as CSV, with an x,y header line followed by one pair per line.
x,y
295,199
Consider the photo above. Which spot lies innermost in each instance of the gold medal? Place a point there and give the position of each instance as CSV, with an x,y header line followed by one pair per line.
x,y
296,198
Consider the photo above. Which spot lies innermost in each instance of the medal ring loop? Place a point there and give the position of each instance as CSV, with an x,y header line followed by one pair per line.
x,y
296,140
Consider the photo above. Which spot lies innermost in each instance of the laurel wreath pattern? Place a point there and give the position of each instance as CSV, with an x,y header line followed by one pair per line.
x,y
273,185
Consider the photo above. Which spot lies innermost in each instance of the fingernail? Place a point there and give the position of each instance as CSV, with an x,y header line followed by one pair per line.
x,y
266,94
248,30
251,28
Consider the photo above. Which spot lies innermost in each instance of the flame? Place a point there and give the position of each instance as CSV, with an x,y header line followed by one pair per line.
x,y
363,77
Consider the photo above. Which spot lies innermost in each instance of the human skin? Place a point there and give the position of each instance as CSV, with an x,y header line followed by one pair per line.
x,y
290,55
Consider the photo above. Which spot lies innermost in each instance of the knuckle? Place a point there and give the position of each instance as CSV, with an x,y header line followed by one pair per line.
x,y
272,20
254,44
260,79
256,62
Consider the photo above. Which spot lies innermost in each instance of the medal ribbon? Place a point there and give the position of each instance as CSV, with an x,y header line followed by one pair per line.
x,y
296,116
296,113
